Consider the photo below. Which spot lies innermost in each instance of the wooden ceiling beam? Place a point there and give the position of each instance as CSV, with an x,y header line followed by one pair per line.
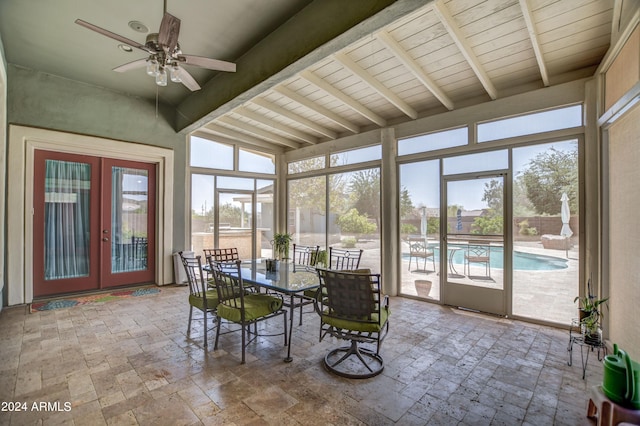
x,y
535,42
284,91
233,135
258,132
347,100
382,90
252,115
460,40
402,56
312,125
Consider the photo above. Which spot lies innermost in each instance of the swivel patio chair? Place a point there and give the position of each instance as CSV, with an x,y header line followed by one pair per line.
x,y
344,260
353,308
201,296
238,306
418,249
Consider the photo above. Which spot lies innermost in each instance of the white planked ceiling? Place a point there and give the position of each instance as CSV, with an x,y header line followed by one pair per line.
x,y
444,56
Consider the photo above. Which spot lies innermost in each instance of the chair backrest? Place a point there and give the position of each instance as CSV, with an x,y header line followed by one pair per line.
x,y
344,260
349,295
305,255
418,247
195,277
229,283
479,249
222,254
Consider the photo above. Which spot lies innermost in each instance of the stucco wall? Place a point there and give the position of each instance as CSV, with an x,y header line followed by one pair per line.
x,y
41,100
3,164
624,239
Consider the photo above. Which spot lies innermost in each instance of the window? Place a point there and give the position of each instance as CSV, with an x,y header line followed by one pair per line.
x,y
433,141
492,160
315,163
538,122
256,162
210,154
355,156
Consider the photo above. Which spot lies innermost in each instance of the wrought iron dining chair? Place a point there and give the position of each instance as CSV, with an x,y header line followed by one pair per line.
x,y
344,260
201,296
306,257
419,249
222,254
226,255
353,308
478,252
238,306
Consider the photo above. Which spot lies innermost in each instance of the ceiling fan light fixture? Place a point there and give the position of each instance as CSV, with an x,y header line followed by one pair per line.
x,y
174,72
161,78
152,67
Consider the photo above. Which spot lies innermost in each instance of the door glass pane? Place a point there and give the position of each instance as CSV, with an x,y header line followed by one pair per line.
x,y
129,209
475,226
354,214
307,211
265,218
67,233
420,228
235,222
546,241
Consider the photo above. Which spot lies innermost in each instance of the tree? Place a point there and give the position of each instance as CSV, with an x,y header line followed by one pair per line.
x,y
406,205
231,214
365,189
494,195
355,223
550,174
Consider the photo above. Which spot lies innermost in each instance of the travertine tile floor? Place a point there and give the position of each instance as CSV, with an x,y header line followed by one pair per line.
x,y
130,362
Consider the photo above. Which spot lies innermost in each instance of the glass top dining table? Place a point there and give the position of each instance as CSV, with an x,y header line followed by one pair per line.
x,y
289,279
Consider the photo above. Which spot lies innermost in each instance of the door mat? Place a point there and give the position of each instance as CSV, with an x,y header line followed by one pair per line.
x,y
68,302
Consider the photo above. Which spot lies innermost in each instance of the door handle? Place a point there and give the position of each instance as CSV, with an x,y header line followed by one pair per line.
x,y
105,239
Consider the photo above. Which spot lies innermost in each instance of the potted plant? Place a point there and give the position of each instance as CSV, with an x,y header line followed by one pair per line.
x,y
590,328
589,311
280,244
321,259
588,304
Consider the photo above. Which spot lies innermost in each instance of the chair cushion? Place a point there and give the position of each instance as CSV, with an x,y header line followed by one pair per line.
x,y
255,306
365,325
198,302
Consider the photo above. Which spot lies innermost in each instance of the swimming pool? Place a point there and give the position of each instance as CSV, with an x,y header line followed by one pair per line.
x,y
521,261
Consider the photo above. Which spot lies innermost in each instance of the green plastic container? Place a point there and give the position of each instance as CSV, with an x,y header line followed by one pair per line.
x,y
621,379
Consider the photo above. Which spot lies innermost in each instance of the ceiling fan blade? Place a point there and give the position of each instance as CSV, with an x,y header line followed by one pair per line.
x,y
212,64
169,31
113,35
139,63
188,80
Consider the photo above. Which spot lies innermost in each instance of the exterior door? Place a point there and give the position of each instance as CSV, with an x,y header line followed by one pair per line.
x,y
234,222
94,223
473,254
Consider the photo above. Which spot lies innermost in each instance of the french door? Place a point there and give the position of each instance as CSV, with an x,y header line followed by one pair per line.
x,y
94,223
473,254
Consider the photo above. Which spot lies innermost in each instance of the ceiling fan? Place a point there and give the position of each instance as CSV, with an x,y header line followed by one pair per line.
x,y
164,54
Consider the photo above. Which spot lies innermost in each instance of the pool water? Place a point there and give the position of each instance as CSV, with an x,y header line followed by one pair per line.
x,y
521,261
